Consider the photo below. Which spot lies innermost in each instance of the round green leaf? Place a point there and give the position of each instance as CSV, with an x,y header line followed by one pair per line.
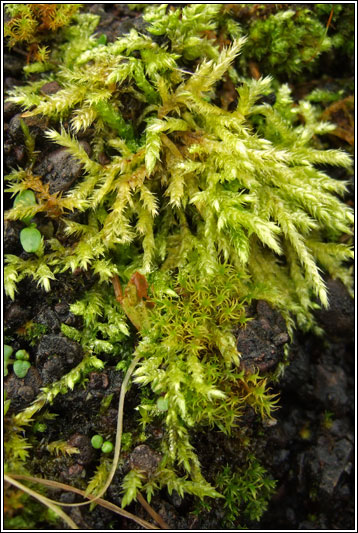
x,y
102,39
7,354
97,441
22,355
162,404
21,368
25,198
30,239
7,351
107,447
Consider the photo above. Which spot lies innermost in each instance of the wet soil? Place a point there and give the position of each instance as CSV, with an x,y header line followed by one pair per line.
x,y
309,449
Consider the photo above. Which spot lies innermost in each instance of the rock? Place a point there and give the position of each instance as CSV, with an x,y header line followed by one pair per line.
x,y
98,380
338,319
60,169
52,370
20,153
83,443
27,393
36,125
50,345
327,461
296,375
75,470
21,391
52,87
65,316
15,130
49,318
12,64
11,242
10,110
145,459
330,388
15,315
261,341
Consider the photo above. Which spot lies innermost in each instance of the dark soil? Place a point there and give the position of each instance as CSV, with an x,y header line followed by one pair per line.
x,y
309,449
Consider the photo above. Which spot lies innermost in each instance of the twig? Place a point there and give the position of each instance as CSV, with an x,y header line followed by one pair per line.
x,y
45,501
64,486
151,511
324,35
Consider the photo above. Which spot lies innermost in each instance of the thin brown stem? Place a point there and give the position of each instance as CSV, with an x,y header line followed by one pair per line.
x,y
151,511
117,288
45,501
64,486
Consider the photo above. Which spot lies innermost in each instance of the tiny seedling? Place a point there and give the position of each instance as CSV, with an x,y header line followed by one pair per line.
x,y
21,368
22,355
30,239
107,447
7,354
162,404
21,364
25,198
97,441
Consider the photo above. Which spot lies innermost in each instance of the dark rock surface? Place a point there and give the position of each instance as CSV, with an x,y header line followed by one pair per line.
x,y
51,345
11,240
338,319
145,459
261,341
83,443
22,391
60,169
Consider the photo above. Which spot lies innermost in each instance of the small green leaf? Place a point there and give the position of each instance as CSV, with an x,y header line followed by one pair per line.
x,y
97,441
30,239
7,354
107,447
162,404
21,368
7,351
22,355
25,198
102,39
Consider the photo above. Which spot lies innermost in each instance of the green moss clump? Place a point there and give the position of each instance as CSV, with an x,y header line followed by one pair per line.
x,y
288,41
35,23
246,492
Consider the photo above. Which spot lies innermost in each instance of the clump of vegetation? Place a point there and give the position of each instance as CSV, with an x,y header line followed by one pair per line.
x,y
7,354
246,491
343,35
34,23
288,41
21,364
196,211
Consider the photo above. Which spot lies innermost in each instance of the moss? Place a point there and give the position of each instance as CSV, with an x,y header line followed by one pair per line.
x,y
288,41
246,492
197,211
36,23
